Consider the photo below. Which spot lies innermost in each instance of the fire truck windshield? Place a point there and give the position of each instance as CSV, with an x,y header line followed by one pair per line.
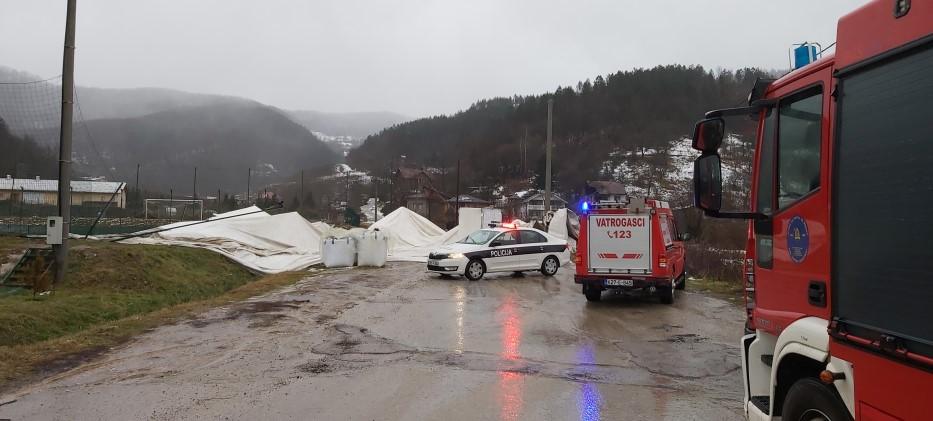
x,y
799,146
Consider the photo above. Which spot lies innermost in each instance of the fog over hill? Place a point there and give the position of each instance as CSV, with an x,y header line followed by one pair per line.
x,y
168,132
345,131
222,140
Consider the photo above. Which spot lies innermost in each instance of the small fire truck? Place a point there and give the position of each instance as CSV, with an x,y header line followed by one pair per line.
x,y
629,247
838,261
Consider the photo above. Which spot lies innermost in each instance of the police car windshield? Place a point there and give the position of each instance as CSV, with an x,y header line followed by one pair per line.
x,y
479,237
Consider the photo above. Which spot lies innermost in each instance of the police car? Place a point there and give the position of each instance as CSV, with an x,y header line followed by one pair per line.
x,y
504,248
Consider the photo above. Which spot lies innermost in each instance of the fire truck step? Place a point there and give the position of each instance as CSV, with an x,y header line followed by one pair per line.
x,y
763,403
767,359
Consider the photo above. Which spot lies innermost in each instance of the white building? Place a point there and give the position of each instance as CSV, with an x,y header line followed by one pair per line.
x,y
45,192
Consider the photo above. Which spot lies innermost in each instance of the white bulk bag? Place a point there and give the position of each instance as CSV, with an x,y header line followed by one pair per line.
x,y
338,252
372,249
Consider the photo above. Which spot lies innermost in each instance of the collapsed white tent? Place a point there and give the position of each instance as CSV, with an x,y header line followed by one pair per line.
x,y
261,242
277,243
411,236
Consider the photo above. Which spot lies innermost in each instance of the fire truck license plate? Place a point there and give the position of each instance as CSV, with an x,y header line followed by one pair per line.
x,y
619,282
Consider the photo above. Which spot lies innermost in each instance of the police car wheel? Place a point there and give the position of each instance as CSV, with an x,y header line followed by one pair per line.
x,y
549,266
475,270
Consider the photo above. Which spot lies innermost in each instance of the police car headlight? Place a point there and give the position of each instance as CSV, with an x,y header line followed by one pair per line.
x,y
455,256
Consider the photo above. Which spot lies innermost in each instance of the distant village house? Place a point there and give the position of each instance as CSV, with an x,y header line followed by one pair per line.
x,y
45,192
467,201
533,208
414,189
606,192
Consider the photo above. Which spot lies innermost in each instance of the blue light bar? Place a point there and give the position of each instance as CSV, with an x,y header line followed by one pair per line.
x,y
805,54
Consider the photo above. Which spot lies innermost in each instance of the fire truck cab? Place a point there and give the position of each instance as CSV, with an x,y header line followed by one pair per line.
x,y
629,247
838,266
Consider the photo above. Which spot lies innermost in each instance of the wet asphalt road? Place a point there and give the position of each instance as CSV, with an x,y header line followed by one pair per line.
x,y
399,344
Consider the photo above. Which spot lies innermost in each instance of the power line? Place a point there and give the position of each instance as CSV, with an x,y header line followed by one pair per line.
x,y
105,162
32,81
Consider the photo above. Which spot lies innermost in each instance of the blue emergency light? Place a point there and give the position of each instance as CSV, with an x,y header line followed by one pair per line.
x,y
585,206
805,54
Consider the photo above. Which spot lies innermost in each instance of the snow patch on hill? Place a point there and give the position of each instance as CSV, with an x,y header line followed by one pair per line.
x,y
339,144
667,172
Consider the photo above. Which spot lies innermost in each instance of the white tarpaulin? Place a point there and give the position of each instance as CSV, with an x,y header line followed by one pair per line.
x,y
559,228
262,242
410,235
277,243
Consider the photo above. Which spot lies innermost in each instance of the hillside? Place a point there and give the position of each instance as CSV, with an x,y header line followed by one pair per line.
x,y
223,141
633,119
22,157
99,103
37,105
167,132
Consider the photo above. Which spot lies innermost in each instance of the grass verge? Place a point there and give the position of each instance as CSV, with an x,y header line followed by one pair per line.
x,y
112,293
731,291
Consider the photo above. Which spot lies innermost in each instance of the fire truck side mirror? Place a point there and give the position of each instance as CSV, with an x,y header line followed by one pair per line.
x,y
708,134
707,182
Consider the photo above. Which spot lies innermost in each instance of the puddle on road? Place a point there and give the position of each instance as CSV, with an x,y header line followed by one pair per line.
x,y
351,348
511,380
589,400
260,313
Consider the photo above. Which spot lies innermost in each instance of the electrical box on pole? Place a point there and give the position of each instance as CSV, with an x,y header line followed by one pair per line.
x,y
53,230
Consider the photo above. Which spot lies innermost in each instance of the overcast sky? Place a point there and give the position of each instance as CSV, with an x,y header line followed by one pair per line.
x,y
416,57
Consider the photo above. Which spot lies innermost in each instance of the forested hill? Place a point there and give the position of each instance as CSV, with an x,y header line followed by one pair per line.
x,y
22,157
597,124
223,141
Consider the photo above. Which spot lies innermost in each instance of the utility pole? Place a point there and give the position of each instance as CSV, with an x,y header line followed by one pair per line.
x,y
194,188
249,177
524,152
458,191
547,171
139,195
301,188
64,148
376,202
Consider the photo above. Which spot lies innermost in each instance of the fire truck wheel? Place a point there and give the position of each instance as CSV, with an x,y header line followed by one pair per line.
x,y
475,270
592,294
682,281
666,294
549,266
808,399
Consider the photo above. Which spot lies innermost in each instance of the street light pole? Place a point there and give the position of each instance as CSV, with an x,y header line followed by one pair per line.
x,y
64,149
458,191
547,171
194,186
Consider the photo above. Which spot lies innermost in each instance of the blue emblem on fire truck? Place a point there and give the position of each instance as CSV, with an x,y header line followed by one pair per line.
x,y
798,239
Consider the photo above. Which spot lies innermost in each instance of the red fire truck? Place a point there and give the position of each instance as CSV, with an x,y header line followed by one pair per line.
x,y
838,268
629,247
